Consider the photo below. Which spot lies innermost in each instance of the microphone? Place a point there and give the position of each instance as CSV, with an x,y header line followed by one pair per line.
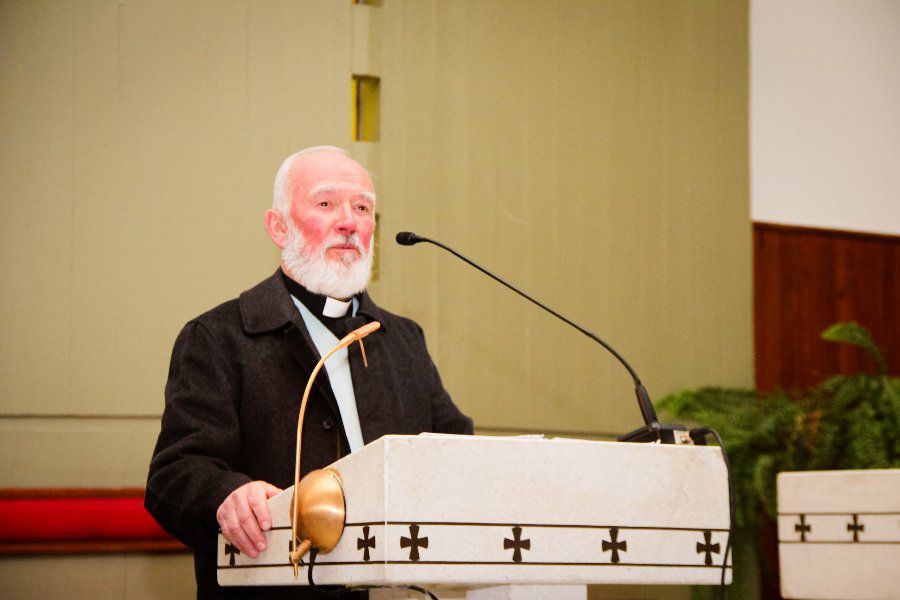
x,y
408,238
653,430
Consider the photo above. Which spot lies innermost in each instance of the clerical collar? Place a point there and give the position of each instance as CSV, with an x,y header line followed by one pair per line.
x,y
317,304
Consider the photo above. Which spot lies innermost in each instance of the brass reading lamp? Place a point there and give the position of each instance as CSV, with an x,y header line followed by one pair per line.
x,y
318,509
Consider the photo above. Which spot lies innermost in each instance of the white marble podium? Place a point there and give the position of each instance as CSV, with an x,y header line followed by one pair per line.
x,y
839,534
479,511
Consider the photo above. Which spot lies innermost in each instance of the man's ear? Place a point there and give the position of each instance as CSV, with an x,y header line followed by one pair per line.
x,y
276,227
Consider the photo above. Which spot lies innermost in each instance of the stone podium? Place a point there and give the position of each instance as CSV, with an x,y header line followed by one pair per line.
x,y
839,534
478,511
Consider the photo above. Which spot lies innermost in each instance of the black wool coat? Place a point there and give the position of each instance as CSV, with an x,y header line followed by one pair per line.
x,y
233,394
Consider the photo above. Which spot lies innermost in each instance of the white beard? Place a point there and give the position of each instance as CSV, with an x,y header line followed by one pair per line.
x,y
312,268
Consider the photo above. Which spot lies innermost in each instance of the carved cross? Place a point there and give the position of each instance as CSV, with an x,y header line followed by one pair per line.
x,y
856,527
231,551
517,544
413,542
803,527
614,545
708,548
365,542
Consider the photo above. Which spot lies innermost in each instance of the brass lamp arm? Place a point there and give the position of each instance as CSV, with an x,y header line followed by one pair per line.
x,y
354,336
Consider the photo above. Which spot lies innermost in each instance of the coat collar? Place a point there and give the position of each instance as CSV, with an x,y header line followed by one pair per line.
x,y
369,310
268,307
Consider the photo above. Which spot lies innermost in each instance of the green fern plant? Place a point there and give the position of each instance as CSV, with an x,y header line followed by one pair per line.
x,y
845,422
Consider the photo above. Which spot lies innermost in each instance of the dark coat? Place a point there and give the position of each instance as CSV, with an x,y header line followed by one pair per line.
x,y
233,397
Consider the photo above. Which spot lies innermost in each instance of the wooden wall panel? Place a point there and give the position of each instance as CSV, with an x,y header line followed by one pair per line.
x,y
805,280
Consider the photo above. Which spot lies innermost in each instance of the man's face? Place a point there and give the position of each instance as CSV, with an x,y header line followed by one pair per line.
x,y
333,200
330,225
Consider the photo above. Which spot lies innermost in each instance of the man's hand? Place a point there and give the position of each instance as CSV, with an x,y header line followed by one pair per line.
x,y
243,516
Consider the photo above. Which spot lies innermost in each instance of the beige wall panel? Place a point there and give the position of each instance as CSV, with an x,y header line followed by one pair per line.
x,y
594,153
35,199
91,452
123,577
140,143
366,46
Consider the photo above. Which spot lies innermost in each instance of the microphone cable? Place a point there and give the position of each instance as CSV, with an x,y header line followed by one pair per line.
x,y
698,435
338,589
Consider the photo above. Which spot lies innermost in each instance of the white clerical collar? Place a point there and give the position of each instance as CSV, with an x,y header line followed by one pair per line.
x,y
336,308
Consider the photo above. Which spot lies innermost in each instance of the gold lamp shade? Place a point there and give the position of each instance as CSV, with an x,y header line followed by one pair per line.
x,y
321,508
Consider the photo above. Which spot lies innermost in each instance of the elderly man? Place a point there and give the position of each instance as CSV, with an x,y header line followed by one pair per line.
x,y
238,372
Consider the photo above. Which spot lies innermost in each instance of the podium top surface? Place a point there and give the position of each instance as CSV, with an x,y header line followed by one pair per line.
x,y
850,491
523,479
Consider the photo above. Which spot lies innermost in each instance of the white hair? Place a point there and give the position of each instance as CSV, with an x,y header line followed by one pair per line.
x,y
284,183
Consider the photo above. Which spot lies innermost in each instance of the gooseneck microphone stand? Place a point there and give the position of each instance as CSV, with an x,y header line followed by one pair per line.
x,y
653,430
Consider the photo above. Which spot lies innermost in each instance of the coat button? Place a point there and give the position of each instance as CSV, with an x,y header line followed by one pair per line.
x,y
328,423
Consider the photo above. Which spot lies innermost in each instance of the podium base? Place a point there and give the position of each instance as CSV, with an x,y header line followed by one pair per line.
x,y
497,592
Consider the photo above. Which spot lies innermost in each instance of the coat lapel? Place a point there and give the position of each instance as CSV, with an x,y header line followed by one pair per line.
x,y
268,309
373,386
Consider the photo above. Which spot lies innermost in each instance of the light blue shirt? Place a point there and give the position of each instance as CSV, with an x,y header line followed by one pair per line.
x,y
338,368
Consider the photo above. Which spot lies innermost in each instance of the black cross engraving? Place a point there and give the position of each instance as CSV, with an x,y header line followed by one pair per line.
x,y
614,545
856,527
708,548
413,542
803,527
231,551
365,542
517,544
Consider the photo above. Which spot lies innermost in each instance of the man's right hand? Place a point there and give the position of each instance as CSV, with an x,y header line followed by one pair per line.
x,y
243,516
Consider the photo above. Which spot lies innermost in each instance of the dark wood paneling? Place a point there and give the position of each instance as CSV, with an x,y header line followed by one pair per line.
x,y
807,279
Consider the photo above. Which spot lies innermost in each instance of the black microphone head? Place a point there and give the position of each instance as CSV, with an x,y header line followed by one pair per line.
x,y
408,238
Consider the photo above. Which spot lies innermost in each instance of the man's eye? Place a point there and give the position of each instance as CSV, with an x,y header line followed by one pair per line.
x,y
323,203
362,208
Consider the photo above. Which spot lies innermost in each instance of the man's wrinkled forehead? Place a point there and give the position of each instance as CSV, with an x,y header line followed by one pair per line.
x,y
332,167
324,188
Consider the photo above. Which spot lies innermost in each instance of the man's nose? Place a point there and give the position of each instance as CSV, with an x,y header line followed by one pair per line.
x,y
346,223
